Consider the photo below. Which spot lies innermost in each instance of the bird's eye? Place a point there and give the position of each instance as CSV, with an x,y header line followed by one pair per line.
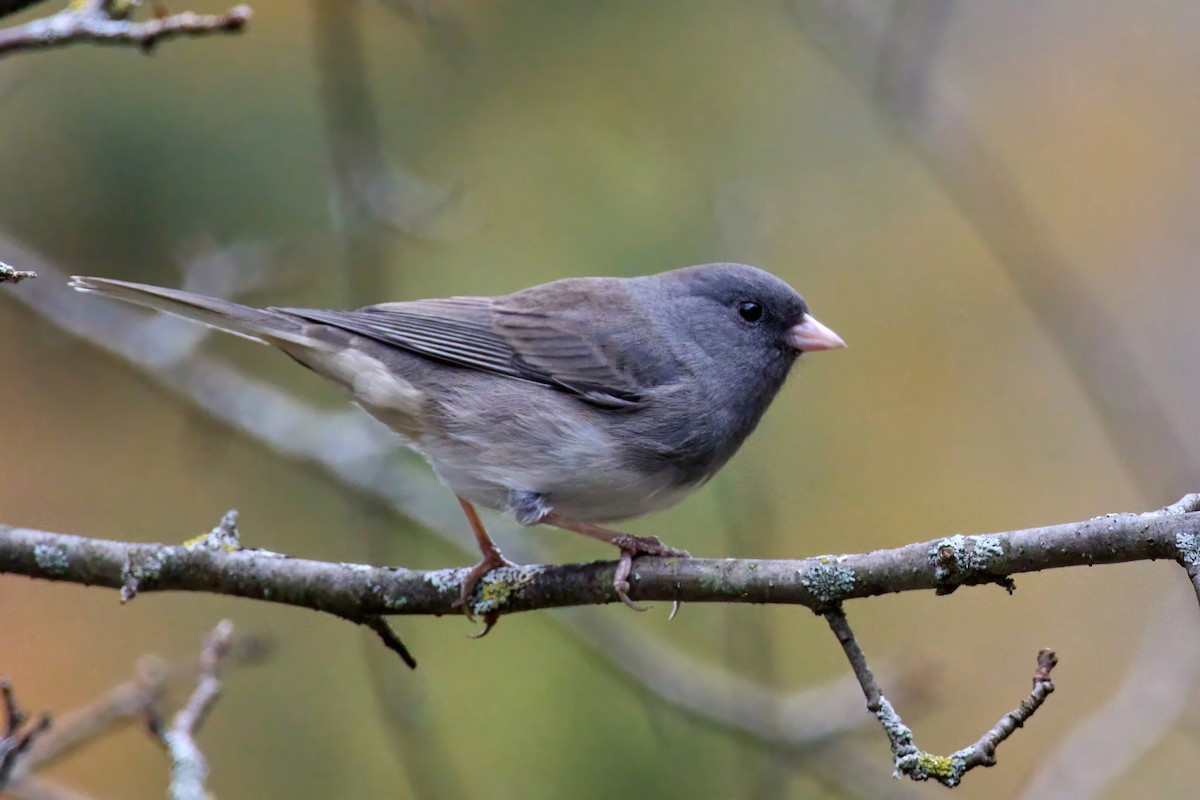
x,y
750,311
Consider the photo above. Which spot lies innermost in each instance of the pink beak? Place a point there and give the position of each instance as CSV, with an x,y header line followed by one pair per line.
x,y
810,335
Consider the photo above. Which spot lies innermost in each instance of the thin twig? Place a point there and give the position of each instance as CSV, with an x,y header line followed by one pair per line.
x,y
918,764
90,23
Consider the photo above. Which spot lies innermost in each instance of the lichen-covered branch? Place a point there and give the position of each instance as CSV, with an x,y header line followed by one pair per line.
x,y
909,759
104,23
359,592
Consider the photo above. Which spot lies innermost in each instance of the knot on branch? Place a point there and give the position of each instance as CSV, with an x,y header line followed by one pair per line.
x,y
964,560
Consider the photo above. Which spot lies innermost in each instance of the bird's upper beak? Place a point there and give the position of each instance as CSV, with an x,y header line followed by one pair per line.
x,y
808,335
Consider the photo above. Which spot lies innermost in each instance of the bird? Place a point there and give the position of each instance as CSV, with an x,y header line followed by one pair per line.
x,y
574,403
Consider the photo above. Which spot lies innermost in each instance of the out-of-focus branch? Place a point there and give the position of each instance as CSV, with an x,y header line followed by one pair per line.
x,y
127,701
889,59
789,722
918,764
18,736
135,700
1130,722
189,768
104,23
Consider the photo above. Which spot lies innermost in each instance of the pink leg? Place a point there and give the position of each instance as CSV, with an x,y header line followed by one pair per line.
x,y
629,544
492,559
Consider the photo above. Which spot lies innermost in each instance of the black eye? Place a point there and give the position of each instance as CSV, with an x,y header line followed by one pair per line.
x,y
750,311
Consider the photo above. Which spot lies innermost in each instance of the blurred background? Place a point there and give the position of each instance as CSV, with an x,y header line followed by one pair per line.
x,y
994,204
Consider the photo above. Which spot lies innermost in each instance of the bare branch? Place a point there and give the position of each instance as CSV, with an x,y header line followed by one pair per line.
x,y
93,22
361,592
918,764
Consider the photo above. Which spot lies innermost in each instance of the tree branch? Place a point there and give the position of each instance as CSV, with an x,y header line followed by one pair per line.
x,y
360,593
99,23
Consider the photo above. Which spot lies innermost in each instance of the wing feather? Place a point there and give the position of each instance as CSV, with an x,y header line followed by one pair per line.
x,y
501,338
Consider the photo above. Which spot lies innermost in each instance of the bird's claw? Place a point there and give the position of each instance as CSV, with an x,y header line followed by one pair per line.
x,y
639,545
490,619
491,560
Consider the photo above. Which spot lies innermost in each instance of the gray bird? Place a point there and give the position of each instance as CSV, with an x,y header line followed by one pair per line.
x,y
574,403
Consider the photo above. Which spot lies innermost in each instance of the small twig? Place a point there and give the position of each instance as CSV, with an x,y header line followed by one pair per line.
x,y
918,764
189,769
10,275
91,22
389,638
17,735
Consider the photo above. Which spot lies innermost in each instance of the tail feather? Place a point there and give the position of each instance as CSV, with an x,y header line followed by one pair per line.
x,y
266,327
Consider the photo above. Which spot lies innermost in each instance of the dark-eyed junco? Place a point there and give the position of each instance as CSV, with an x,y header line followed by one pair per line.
x,y
573,403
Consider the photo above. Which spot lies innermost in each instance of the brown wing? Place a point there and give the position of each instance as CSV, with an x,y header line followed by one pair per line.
x,y
514,336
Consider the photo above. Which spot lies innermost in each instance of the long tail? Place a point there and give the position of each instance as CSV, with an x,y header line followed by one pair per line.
x,y
267,327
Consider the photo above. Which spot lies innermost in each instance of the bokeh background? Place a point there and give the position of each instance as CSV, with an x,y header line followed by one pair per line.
x,y
995,204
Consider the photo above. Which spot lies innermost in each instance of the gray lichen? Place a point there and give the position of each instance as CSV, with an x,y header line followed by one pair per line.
x,y
51,558
911,760
446,579
148,570
1188,545
828,580
958,555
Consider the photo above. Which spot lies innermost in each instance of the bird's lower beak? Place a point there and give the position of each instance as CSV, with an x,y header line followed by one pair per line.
x,y
809,335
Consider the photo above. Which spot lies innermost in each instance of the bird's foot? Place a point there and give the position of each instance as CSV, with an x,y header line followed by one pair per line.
x,y
492,559
638,545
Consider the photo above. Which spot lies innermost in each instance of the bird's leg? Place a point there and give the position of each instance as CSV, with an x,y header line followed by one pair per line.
x,y
492,559
629,544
